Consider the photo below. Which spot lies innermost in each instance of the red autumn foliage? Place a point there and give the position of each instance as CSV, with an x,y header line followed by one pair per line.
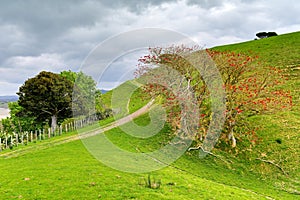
x,y
251,88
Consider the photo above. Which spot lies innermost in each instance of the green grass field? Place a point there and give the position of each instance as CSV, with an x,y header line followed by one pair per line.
x,y
53,169
68,171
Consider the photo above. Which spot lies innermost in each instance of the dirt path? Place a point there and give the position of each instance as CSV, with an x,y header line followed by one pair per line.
x,y
47,144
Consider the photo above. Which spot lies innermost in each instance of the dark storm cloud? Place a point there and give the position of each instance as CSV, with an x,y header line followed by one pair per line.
x,y
41,23
57,35
133,5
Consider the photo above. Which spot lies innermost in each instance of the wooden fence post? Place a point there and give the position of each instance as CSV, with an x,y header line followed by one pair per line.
x,y
11,139
22,139
26,137
40,134
60,129
17,139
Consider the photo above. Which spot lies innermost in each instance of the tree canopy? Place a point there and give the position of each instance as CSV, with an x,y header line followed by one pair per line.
x,y
47,96
265,34
84,92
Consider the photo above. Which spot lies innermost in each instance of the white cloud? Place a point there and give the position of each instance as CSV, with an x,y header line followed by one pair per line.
x,y
59,35
19,68
8,88
53,61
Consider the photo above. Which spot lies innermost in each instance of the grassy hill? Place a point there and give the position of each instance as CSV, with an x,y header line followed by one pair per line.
x,y
281,131
68,171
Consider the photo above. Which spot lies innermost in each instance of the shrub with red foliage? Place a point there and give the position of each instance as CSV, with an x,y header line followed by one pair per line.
x,y
251,87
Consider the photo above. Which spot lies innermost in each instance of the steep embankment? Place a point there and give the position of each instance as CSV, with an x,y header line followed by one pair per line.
x,y
277,156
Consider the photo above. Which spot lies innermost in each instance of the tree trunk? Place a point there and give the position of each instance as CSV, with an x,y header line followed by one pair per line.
x,y
233,140
53,122
231,135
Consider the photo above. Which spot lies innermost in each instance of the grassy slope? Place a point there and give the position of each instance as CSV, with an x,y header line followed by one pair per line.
x,y
68,171
284,52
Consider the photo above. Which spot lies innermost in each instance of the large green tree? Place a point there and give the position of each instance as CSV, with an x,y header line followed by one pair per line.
x,y
47,96
84,92
87,99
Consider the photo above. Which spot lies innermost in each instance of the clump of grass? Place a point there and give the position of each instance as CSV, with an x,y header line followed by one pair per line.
x,y
151,183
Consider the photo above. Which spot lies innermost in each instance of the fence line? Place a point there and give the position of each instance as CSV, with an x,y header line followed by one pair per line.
x,y
10,140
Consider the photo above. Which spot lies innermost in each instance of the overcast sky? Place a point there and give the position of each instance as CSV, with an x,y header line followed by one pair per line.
x,y
58,35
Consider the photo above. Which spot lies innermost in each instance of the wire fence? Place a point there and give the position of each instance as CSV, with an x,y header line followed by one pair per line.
x,y
14,139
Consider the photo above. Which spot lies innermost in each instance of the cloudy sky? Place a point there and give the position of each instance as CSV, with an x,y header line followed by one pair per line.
x,y
58,35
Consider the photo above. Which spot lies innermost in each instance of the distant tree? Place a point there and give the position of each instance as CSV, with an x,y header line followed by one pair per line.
x,y
265,34
262,35
84,92
48,96
270,34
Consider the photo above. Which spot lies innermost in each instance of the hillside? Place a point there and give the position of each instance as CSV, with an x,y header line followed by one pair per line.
x,y
280,132
6,99
66,170
282,50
